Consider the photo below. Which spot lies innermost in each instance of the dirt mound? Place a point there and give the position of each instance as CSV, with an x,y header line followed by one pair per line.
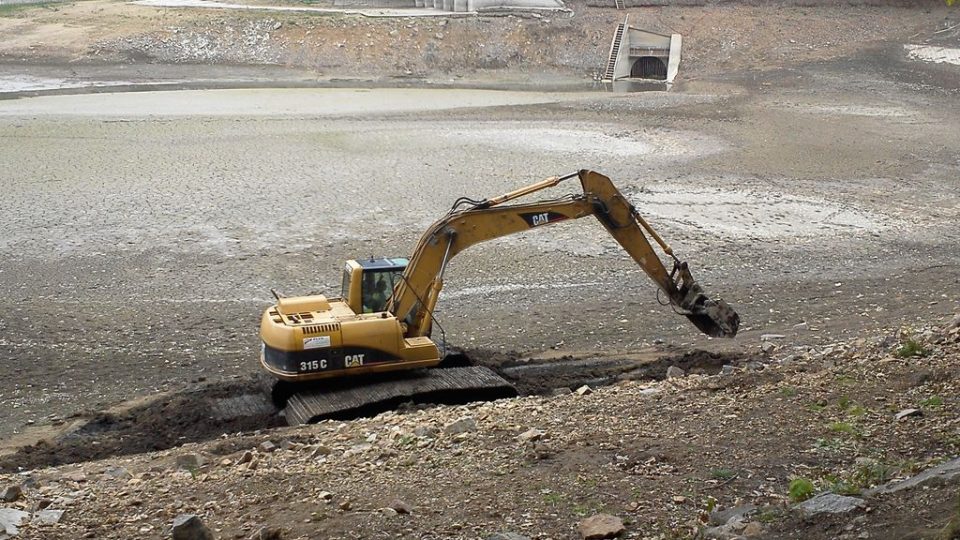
x,y
162,423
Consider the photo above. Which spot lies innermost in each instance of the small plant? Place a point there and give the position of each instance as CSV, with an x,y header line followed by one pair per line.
x,y
857,410
801,489
722,474
911,348
844,403
553,499
769,516
932,402
789,391
842,427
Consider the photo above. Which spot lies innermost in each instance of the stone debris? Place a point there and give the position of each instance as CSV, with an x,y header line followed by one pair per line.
x,y
48,517
830,503
10,521
771,337
583,390
530,435
601,526
190,527
11,493
943,474
907,413
736,513
400,507
267,533
507,536
190,462
267,446
247,457
118,473
462,425
674,372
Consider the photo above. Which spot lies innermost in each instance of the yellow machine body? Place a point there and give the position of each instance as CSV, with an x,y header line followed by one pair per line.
x,y
312,337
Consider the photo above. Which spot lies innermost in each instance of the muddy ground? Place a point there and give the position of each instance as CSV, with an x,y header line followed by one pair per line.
x,y
808,174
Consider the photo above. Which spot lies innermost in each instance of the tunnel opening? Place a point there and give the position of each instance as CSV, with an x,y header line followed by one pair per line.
x,y
649,67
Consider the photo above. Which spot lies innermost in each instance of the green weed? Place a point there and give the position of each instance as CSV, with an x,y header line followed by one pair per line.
x,y
800,489
932,402
722,474
911,348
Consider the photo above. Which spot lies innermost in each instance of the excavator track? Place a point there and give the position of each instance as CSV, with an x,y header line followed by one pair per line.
x,y
345,399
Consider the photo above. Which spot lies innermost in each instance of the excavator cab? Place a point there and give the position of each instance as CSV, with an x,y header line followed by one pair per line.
x,y
368,283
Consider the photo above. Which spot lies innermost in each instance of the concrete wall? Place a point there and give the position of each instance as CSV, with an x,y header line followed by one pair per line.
x,y
480,5
21,2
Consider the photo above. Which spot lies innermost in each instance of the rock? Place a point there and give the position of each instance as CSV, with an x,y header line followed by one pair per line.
x,y
727,369
190,462
530,435
830,503
11,493
11,519
462,425
75,476
562,391
247,457
737,513
267,533
955,323
428,432
752,529
345,506
768,346
907,413
601,526
267,446
673,372
48,517
583,390
507,536
118,473
387,512
325,496
400,507
189,527
290,445
771,337
943,474
321,450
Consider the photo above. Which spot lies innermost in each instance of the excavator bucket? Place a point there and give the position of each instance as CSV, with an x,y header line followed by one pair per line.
x,y
713,317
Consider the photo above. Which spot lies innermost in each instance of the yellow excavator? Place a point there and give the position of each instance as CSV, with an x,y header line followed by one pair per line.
x,y
331,355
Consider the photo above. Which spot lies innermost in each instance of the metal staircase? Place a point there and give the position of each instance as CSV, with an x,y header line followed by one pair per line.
x,y
614,51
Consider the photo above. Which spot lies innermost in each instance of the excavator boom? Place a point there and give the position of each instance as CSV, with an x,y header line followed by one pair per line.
x,y
415,296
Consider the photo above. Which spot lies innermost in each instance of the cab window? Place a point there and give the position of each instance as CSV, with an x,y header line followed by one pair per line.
x,y
345,286
377,287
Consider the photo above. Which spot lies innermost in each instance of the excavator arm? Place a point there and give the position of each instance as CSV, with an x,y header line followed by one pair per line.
x,y
415,297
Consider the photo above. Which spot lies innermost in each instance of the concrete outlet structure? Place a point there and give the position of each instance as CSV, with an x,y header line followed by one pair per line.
x,y
638,54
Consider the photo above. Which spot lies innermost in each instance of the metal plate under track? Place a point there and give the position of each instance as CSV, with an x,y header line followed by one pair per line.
x,y
448,385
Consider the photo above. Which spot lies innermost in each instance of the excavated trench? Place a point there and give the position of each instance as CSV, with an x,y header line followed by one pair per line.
x,y
244,405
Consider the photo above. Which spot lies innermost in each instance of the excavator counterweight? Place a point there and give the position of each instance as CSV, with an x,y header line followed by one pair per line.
x,y
383,319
